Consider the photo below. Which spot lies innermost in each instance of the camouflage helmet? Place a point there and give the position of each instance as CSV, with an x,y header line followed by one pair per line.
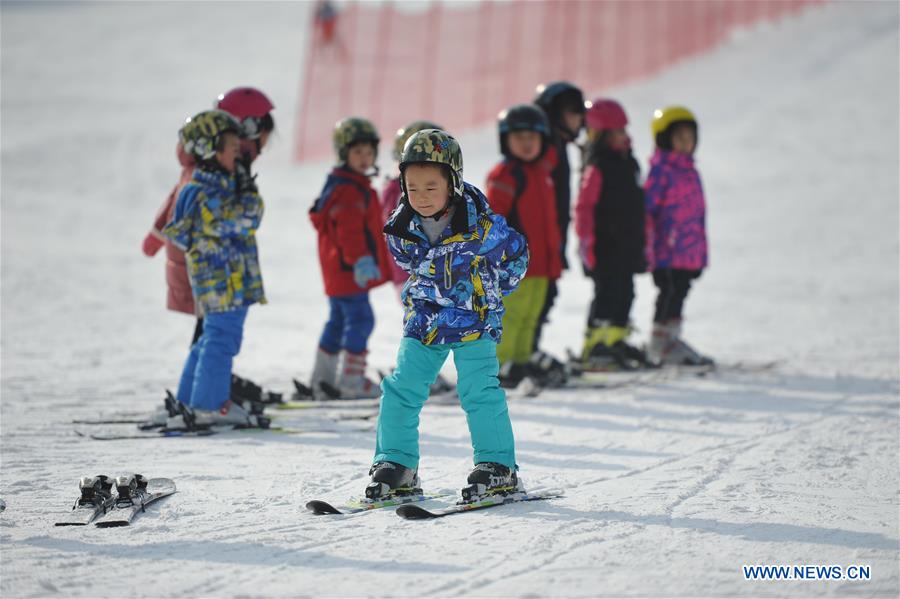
x,y
353,130
201,134
436,147
404,134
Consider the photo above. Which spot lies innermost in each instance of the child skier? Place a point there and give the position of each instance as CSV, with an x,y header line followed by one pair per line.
x,y
563,104
253,109
461,259
676,231
609,221
215,221
520,189
353,258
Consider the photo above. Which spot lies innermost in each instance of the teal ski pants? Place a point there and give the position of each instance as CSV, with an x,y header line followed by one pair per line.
x,y
405,390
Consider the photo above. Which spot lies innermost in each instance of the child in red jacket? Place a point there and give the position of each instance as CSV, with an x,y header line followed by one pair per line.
x,y
353,257
521,189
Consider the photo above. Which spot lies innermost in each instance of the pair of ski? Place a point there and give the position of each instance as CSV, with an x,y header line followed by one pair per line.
x,y
408,508
101,506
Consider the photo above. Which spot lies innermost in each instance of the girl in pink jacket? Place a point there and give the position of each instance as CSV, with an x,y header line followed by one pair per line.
x,y
675,232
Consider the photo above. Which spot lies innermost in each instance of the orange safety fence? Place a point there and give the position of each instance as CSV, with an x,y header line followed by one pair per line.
x,y
460,64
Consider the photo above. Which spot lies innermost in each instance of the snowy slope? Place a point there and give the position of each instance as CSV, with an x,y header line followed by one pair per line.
x,y
672,486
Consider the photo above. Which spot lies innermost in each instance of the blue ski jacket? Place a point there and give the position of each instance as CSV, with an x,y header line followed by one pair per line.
x,y
455,287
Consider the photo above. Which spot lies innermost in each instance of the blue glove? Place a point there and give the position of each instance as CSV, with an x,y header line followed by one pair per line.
x,y
365,270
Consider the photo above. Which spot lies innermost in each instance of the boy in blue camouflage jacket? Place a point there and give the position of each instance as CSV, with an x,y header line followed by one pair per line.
x,y
461,259
215,221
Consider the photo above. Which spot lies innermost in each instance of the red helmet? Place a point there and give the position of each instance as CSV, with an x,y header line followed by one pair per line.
x,y
605,114
250,106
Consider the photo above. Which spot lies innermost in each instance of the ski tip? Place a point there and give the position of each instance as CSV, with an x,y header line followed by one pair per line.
x,y
321,507
414,512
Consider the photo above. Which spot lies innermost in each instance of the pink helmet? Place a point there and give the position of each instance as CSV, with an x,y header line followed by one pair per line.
x,y
250,106
605,114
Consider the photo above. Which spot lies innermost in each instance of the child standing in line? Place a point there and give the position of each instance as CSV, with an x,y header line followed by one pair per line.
x,y
215,221
353,258
253,109
676,231
563,103
609,221
520,189
461,259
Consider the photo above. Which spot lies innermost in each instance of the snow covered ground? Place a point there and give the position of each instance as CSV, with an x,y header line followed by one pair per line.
x,y
671,486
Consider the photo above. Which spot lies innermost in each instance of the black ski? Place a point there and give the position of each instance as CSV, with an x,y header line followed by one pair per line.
x,y
417,512
355,506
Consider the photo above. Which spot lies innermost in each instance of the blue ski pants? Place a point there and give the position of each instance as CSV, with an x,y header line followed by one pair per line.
x,y
349,325
206,379
405,390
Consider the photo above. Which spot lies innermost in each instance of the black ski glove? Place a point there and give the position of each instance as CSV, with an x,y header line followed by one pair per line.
x,y
246,183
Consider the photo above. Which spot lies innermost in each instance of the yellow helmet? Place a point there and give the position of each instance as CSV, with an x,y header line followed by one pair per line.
x,y
664,117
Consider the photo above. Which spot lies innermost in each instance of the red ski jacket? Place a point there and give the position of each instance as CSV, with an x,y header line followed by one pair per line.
x,y
524,194
347,217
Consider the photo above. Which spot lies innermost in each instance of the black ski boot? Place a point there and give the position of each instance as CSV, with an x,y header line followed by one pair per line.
x,y
390,479
244,390
548,371
490,478
512,374
611,358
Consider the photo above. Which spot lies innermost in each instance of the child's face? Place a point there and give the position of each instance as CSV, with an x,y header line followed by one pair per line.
x,y
427,188
683,139
361,157
524,145
231,149
573,120
617,139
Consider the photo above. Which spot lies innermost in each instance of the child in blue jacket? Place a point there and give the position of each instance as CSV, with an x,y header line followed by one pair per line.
x,y
215,221
461,259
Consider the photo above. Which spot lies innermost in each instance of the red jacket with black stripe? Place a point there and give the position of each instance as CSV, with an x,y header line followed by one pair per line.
x,y
347,218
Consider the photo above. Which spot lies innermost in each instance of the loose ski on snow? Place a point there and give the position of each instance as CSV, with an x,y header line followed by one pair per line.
x,y
135,493
96,499
319,507
417,512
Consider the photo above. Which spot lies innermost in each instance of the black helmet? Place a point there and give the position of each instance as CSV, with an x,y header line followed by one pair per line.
x,y
522,117
557,96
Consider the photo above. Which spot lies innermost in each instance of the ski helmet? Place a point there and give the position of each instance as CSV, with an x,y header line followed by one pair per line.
x,y
603,114
249,106
353,130
556,97
665,120
201,134
405,133
436,147
522,117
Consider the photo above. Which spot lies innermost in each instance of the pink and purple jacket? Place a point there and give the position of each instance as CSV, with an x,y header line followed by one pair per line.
x,y
676,213
390,197
179,298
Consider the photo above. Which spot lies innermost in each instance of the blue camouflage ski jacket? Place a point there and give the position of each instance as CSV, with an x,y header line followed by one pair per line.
x,y
217,231
455,287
